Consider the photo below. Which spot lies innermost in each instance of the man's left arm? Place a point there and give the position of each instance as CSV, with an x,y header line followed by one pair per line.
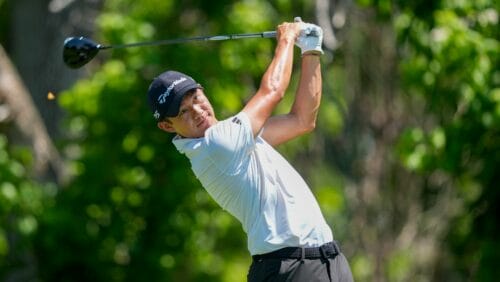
x,y
302,117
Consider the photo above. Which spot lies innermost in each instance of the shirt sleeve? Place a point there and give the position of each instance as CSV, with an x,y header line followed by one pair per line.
x,y
230,142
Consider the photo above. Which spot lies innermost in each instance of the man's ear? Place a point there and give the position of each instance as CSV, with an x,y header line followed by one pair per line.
x,y
166,126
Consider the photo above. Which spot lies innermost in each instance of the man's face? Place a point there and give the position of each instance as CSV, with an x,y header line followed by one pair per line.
x,y
195,116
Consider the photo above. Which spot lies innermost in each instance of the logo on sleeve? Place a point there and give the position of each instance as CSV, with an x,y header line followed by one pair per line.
x,y
236,120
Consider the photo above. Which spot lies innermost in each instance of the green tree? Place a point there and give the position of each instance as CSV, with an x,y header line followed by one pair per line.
x,y
22,203
451,58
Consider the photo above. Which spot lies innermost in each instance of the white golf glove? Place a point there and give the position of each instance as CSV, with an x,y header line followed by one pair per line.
x,y
310,38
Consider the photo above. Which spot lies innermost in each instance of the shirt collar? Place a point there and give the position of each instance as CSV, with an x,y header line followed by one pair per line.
x,y
188,146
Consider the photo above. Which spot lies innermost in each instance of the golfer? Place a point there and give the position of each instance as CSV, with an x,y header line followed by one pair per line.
x,y
235,161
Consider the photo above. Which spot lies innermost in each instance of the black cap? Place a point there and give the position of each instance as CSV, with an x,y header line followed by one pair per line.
x,y
166,91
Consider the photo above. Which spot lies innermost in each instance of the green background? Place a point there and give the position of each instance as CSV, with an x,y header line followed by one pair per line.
x,y
403,161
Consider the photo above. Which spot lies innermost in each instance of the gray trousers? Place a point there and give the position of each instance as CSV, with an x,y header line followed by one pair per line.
x,y
296,270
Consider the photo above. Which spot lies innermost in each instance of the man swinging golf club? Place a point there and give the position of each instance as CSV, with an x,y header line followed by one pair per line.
x,y
235,161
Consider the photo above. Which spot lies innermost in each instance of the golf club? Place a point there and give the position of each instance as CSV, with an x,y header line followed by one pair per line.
x,y
78,51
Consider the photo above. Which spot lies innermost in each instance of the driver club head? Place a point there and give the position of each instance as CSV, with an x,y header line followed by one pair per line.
x,y
78,51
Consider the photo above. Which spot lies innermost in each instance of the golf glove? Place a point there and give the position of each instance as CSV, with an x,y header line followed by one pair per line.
x,y
310,39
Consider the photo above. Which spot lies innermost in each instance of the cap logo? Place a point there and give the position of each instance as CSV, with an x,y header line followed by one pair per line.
x,y
156,114
163,97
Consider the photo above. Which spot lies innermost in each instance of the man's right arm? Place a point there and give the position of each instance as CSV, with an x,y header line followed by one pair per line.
x,y
275,80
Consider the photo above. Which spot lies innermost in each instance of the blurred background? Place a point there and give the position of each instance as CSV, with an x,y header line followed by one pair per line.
x,y
403,162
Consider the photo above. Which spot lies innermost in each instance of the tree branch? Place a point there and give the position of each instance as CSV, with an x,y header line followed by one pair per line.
x,y
28,120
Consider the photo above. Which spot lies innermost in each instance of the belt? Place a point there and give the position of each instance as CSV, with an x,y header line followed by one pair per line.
x,y
328,250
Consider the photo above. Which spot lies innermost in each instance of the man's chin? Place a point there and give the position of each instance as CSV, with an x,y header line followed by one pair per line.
x,y
205,127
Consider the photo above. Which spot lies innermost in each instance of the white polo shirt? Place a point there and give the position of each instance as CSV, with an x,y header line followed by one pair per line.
x,y
252,181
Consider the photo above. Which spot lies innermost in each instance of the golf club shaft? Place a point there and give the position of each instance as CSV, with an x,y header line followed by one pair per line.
x,y
265,34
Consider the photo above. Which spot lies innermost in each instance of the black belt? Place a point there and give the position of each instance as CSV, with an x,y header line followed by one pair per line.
x,y
328,250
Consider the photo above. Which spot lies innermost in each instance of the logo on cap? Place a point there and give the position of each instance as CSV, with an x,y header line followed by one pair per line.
x,y
156,114
163,97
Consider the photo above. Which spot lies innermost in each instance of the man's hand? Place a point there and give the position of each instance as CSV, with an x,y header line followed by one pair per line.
x,y
288,31
310,38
